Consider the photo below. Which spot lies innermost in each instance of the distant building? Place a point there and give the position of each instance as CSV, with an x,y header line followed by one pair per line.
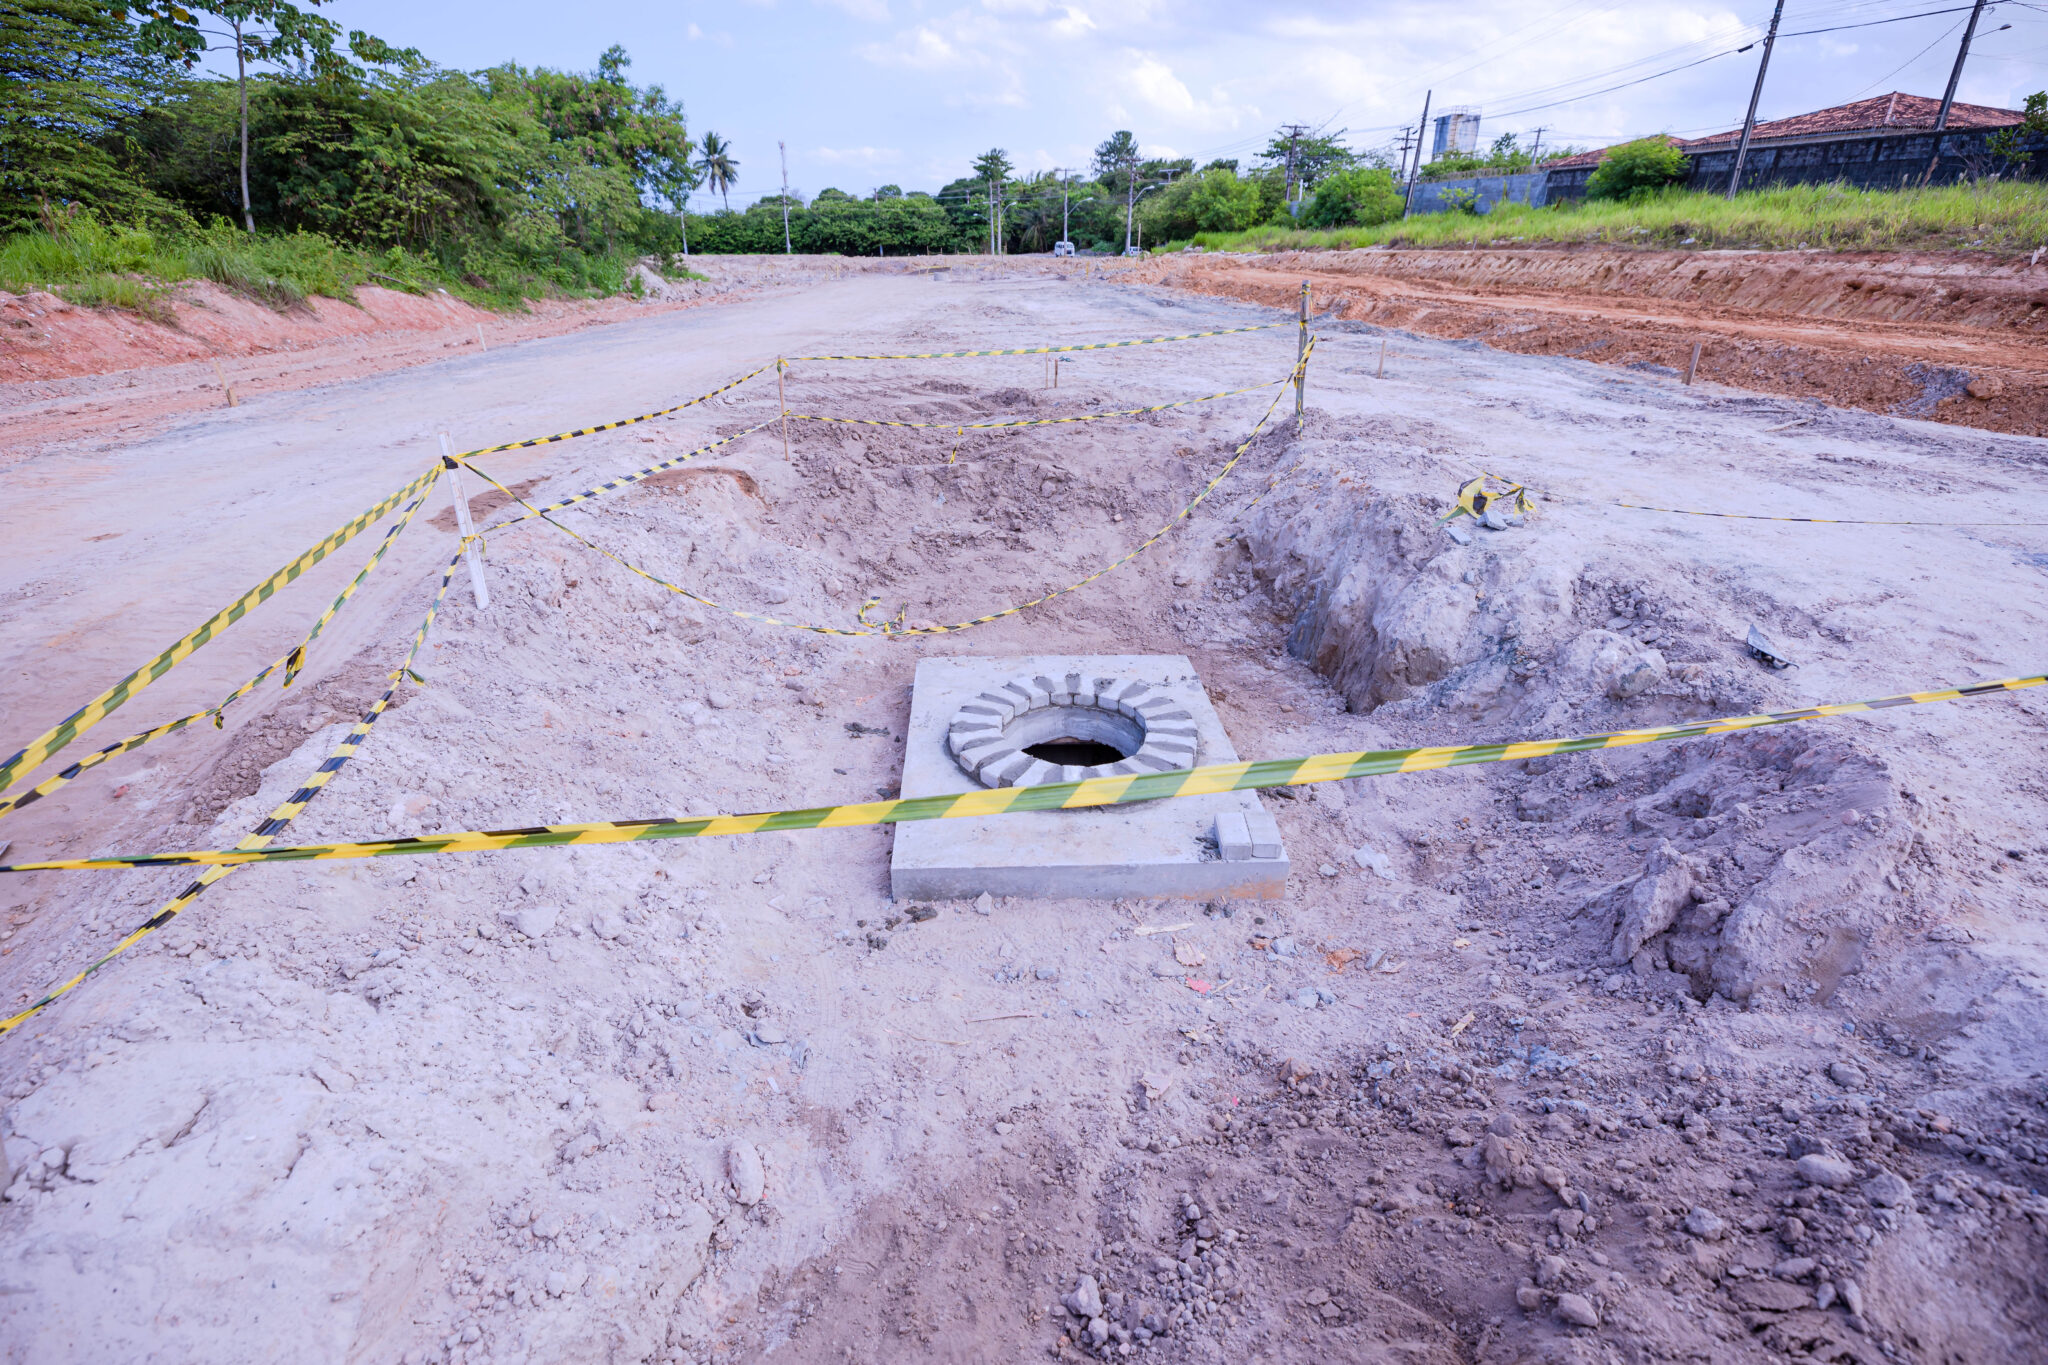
x,y
1457,134
1879,143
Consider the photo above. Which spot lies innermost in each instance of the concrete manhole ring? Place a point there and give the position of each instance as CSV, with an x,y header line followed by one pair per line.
x,y
991,734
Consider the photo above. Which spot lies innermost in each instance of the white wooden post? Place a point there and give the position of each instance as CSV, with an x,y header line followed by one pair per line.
x,y
471,550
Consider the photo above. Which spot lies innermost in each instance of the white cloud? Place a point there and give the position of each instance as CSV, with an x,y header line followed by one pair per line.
x,y
874,11
1157,85
1072,22
921,49
864,157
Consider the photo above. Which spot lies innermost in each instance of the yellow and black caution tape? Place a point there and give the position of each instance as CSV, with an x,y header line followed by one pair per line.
x,y
896,629
105,704
1094,791
1472,491
1474,498
260,837
613,485
1047,350
292,661
614,426
1034,421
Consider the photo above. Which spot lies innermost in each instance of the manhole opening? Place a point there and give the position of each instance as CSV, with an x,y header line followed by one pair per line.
x,y
1069,752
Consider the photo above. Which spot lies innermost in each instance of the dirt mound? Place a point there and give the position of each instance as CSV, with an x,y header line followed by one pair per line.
x,y
1951,338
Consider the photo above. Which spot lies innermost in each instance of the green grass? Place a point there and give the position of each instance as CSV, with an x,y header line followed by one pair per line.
x,y
92,264
2005,217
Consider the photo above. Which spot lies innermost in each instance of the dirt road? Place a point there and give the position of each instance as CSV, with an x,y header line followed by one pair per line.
x,y
1718,1050
1948,337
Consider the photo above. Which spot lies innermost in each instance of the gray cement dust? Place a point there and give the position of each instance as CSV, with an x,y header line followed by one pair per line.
x,y
1722,1050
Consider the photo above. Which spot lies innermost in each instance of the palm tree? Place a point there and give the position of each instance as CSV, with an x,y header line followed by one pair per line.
x,y
721,172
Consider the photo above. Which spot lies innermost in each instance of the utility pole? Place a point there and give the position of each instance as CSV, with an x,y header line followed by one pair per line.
x,y
1536,145
1948,97
1294,131
1421,133
1130,199
1749,123
1065,176
783,147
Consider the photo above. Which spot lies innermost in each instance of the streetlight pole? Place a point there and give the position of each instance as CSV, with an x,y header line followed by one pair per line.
x,y
783,147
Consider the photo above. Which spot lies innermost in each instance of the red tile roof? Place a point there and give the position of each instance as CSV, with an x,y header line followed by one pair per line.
x,y
1896,112
1879,114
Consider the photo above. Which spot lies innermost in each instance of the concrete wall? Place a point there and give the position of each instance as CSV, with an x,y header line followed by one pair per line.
x,y
1876,163
1871,163
1487,190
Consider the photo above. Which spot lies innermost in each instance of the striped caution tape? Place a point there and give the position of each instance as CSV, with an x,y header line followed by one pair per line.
x,y
1474,498
1050,350
897,628
622,481
1094,791
109,701
292,661
1520,491
259,838
622,422
1033,421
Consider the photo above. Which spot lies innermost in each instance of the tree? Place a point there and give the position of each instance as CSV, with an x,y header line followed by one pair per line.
x,y
1313,156
272,31
1637,169
721,170
2009,145
1116,160
993,167
1359,197
70,80
888,192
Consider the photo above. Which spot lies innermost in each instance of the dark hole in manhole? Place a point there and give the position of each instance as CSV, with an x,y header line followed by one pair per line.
x,y
1074,753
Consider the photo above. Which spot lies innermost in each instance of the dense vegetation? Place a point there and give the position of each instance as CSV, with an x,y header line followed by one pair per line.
x,y
2008,216
332,160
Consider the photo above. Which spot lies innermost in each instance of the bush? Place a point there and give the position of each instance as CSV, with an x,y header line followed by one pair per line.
x,y
1354,198
1635,169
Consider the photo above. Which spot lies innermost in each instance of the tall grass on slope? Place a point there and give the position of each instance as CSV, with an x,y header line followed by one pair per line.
x,y
2004,217
91,264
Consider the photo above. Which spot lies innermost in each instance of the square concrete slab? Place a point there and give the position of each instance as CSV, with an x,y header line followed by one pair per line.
x,y
985,714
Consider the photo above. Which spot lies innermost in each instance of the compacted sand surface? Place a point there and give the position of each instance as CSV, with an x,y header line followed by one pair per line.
x,y
1727,1049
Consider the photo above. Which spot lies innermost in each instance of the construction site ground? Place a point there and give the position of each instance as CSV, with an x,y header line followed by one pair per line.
x,y
1728,1049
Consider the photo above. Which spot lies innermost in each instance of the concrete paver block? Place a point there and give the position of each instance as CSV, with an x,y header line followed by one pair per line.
x,y
1220,846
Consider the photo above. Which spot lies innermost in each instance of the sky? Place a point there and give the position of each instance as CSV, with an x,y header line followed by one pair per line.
x,y
908,92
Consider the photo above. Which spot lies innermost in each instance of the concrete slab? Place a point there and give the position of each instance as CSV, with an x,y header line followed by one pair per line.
x,y
1167,848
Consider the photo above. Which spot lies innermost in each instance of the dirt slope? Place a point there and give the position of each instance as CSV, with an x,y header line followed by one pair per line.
x,y
1953,338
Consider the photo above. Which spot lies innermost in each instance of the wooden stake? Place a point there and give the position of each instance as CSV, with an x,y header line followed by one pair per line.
x,y
1692,366
1383,359
779,367
472,551
1301,350
225,387
480,338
